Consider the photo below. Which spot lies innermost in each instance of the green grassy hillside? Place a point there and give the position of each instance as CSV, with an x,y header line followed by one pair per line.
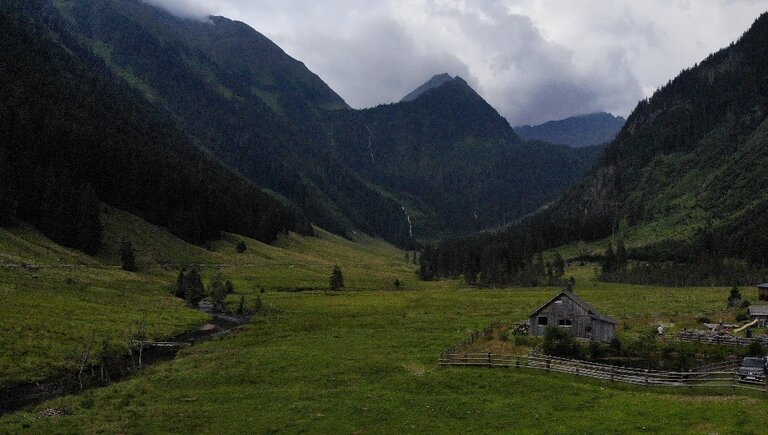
x,y
360,360
55,298
367,362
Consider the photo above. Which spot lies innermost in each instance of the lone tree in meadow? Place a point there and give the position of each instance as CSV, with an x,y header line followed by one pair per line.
x,y
189,286
337,279
128,256
218,292
734,298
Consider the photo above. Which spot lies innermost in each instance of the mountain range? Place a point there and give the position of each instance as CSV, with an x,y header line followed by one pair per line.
x,y
244,138
441,163
576,131
683,184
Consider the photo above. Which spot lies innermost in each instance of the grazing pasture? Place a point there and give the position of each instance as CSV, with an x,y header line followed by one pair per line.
x,y
360,360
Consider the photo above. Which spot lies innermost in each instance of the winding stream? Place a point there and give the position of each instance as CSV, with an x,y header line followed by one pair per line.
x,y
24,395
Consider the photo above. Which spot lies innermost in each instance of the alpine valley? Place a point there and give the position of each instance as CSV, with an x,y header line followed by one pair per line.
x,y
199,235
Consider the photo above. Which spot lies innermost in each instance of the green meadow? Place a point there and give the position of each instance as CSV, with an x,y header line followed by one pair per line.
x,y
363,360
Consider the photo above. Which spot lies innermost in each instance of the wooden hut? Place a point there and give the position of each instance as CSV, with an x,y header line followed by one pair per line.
x,y
575,315
759,313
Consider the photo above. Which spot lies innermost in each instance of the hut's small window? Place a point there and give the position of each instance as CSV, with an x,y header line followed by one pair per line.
x,y
543,321
559,302
564,322
588,329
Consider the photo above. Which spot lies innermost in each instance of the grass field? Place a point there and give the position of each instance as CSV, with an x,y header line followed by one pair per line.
x,y
359,361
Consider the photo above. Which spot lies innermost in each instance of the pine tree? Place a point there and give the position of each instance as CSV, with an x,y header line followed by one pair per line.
x,y
194,291
558,265
218,292
621,254
180,290
609,260
734,298
337,279
128,256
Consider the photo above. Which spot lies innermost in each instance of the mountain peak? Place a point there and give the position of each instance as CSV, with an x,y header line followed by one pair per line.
x,y
433,83
576,131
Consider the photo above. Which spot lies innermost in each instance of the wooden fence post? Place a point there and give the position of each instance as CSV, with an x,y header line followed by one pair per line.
x,y
646,377
517,363
765,382
549,361
490,364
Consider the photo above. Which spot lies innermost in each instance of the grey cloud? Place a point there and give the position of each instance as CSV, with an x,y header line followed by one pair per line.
x,y
534,60
197,10
531,79
378,63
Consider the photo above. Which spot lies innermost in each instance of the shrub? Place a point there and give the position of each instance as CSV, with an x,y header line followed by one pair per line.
x,y
596,350
742,315
241,247
755,349
558,342
524,340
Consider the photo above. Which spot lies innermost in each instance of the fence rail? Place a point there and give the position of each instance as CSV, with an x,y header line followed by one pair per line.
x,y
729,340
708,378
139,343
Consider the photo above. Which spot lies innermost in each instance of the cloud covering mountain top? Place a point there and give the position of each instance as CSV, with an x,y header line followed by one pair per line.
x,y
534,60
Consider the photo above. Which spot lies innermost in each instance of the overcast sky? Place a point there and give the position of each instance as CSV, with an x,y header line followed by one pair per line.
x,y
533,60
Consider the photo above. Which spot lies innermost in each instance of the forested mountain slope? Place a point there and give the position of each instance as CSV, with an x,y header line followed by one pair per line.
x,y
684,180
72,135
265,114
691,155
449,153
241,97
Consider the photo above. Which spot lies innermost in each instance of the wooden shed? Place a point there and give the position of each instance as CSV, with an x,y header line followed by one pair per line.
x,y
574,314
759,313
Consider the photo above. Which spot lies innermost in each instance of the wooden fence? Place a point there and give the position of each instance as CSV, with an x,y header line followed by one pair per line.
x,y
728,340
711,377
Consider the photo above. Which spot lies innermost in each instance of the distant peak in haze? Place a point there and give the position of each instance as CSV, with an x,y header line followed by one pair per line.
x,y
433,83
576,131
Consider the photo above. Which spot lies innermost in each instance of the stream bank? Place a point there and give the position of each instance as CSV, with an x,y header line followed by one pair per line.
x,y
24,395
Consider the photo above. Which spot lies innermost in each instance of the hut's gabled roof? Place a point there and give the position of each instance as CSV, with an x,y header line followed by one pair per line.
x,y
758,310
579,301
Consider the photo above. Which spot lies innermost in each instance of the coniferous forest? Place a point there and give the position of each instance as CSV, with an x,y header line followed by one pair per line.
x,y
73,136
